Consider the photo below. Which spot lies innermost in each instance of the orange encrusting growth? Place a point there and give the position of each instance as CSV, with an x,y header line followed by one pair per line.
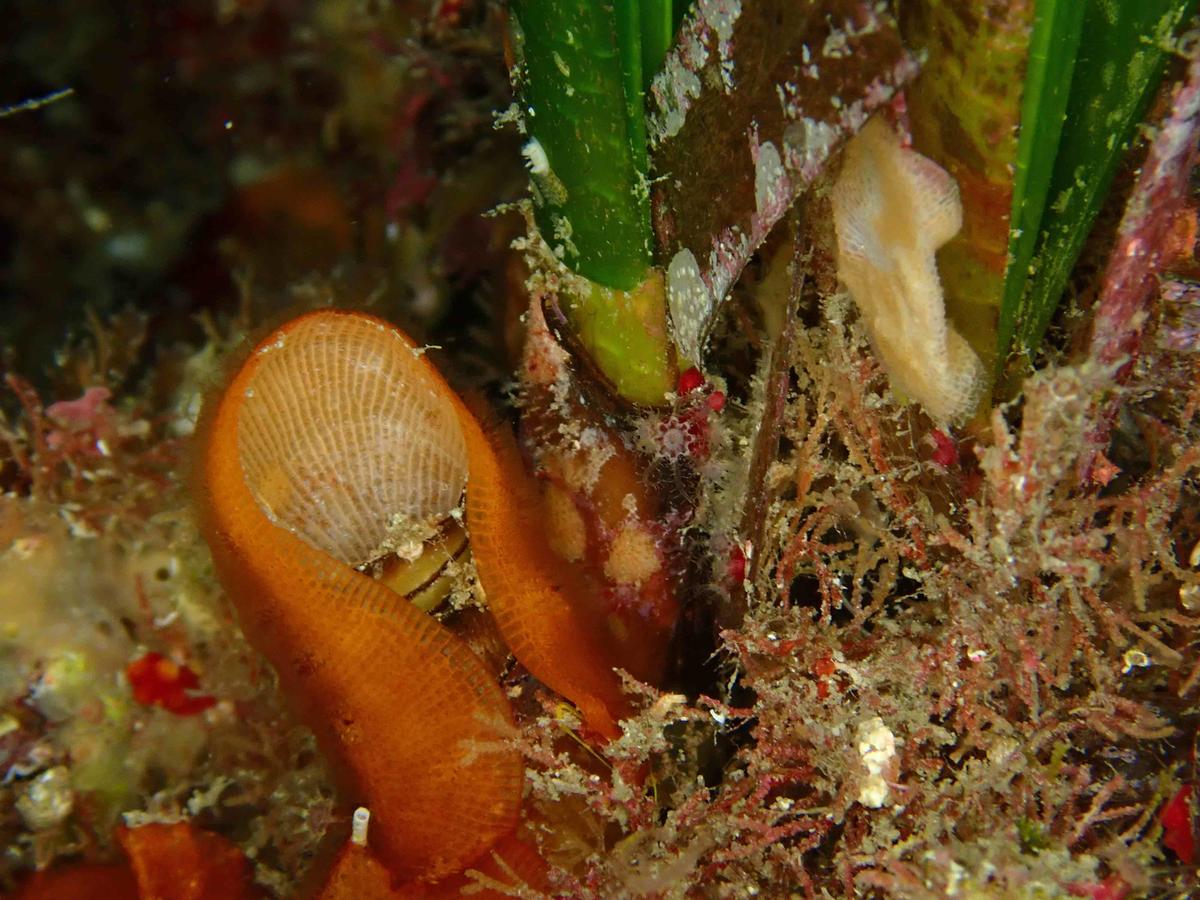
x,y
357,875
619,544
594,489
176,861
179,861
406,712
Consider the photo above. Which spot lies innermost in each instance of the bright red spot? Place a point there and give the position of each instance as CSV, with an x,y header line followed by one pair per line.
x,y
697,426
158,681
946,452
736,567
716,401
689,380
1178,828
824,666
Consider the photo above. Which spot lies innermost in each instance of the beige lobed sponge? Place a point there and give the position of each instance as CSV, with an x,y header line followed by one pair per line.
x,y
892,209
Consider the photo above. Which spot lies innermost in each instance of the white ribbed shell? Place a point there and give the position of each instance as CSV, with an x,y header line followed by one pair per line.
x,y
342,429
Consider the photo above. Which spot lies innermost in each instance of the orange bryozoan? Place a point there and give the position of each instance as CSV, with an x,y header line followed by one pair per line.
x,y
335,429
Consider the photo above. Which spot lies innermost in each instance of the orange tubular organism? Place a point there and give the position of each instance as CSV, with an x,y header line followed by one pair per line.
x,y
407,713
410,718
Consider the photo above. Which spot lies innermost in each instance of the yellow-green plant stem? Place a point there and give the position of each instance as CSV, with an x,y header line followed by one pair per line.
x,y
626,335
580,73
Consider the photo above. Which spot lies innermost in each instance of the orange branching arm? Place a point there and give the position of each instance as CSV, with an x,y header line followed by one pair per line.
x,y
409,716
541,603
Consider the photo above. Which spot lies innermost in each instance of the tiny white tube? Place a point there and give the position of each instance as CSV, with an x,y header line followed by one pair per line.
x,y
359,825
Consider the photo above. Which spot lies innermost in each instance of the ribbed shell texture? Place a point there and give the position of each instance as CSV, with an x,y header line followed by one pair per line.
x,y
342,430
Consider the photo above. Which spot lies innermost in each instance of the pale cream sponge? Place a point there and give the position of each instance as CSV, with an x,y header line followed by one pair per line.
x,y
892,209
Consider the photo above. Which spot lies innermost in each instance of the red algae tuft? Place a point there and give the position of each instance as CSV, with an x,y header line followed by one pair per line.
x,y
158,681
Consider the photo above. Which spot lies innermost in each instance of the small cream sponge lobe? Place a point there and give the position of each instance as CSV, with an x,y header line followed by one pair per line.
x,y
892,209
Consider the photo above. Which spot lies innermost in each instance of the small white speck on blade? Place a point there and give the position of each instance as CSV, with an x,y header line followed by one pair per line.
x,y
690,304
770,182
535,157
